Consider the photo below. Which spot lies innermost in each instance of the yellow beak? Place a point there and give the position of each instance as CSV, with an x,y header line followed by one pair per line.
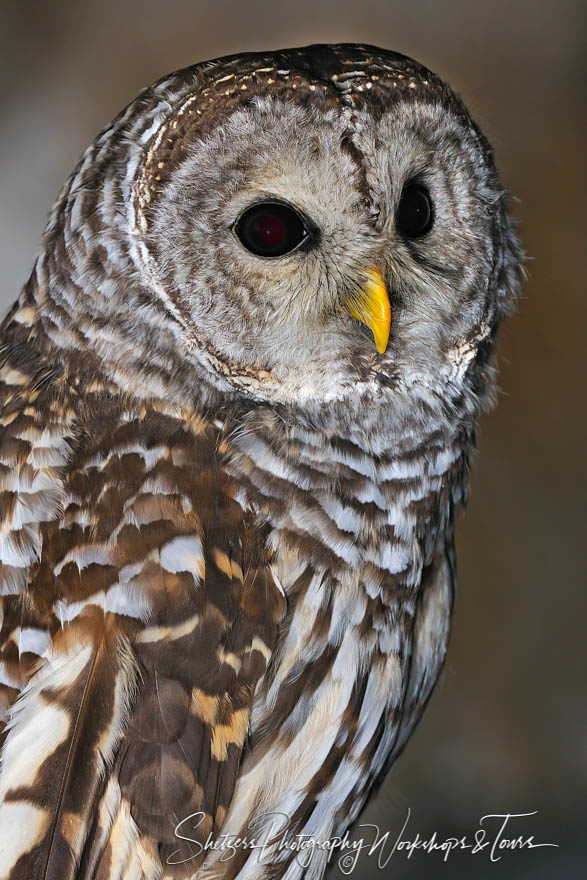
x,y
370,305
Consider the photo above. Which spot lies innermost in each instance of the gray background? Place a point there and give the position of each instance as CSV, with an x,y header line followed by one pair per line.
x,y
505,731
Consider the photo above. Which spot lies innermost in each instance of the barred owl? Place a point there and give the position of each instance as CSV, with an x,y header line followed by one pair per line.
x,y
239,399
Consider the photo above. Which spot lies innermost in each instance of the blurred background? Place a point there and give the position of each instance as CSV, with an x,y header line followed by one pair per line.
x,y
506,729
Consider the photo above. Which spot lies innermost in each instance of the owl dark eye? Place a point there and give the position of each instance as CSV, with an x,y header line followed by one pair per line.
x,y
270,229
414,214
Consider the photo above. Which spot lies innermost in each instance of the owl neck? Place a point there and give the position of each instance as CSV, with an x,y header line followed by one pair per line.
x,y
352,477
337,503
130,347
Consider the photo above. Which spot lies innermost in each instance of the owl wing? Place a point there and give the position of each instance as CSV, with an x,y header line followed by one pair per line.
x,y
138,615
429,641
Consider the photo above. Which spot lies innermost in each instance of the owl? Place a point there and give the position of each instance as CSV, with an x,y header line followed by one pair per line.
x,y
239,395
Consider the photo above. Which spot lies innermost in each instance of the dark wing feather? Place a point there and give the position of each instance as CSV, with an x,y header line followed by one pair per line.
x,y
147,596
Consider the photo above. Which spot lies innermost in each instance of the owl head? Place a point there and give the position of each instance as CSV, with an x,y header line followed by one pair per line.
x,y
317,227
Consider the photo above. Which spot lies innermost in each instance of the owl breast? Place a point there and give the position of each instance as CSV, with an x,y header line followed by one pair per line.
x,y
359,551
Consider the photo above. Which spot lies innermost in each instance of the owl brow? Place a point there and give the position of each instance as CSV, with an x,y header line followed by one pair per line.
x,y
348,146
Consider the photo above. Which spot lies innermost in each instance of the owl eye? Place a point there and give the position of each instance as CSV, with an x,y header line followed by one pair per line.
x,y
414,214
270,229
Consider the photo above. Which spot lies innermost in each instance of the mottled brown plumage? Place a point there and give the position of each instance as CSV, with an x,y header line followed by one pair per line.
x,y
227,562
144,509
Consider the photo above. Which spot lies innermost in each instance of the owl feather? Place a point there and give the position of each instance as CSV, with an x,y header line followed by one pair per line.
x,y
239,397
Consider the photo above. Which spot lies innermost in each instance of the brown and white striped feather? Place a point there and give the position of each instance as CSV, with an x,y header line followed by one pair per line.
x,y
138,615
360,649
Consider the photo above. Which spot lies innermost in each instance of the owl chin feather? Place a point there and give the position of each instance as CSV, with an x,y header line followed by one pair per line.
x,y
239,396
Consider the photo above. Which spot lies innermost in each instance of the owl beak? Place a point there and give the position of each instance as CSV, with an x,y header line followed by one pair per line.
x,y
370,305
